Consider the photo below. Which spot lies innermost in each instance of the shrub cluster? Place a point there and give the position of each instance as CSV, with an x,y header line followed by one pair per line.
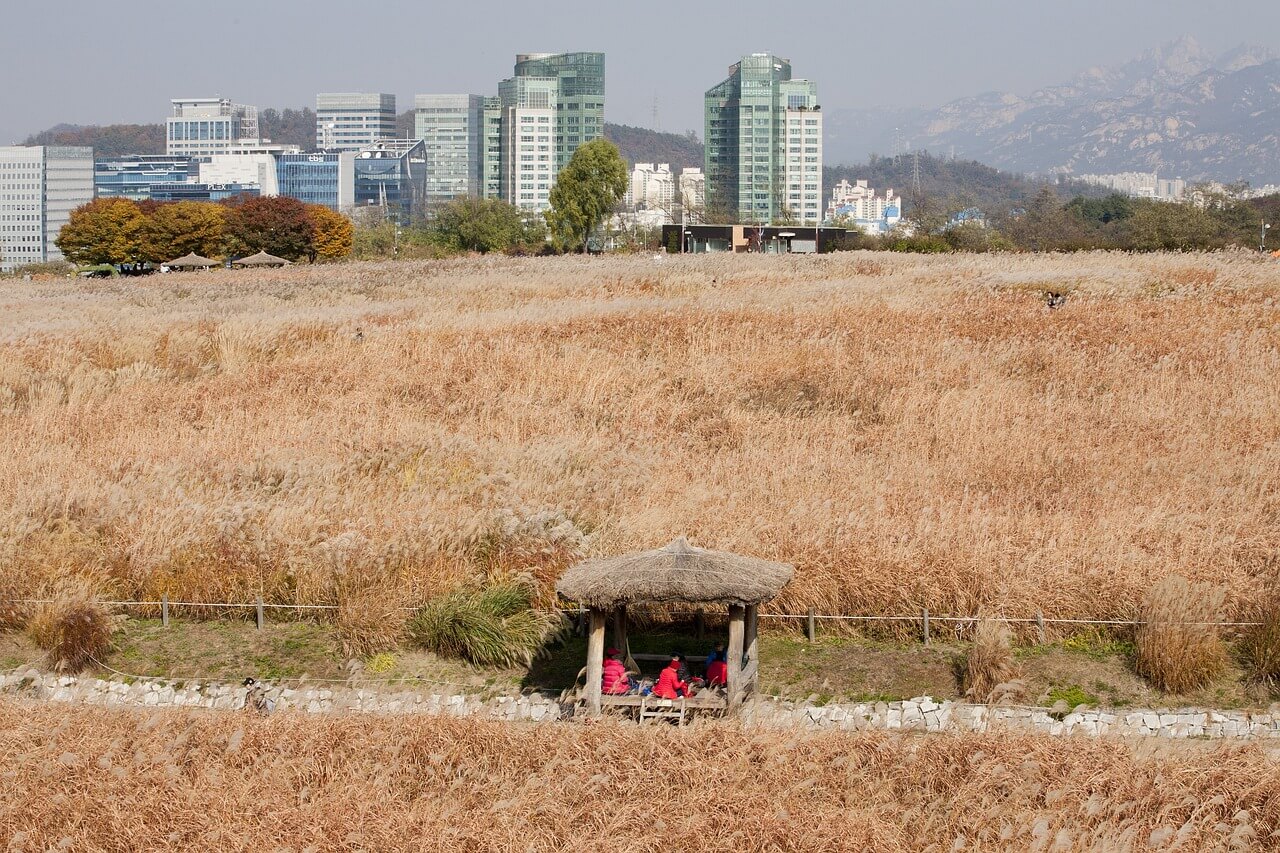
x,y
494,626
1178,649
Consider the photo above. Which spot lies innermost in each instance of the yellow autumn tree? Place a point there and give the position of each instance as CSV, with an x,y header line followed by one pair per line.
x,y
104,231
174,230
332,234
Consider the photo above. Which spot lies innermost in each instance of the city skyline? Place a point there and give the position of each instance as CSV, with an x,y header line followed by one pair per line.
x,y
961,51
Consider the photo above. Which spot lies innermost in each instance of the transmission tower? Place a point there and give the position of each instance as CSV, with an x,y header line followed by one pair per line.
x,y
655,113
915,176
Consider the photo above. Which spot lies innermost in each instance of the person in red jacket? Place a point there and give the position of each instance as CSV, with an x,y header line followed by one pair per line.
x,y
613,679
669,685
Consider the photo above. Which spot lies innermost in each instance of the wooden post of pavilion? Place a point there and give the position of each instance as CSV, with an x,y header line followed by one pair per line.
x,y
595,660
751,650
734,654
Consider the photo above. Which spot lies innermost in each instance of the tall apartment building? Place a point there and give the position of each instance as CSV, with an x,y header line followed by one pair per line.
x,y
764,143
451,127
349,121
693,195
204,126
653,187
553,103
39,187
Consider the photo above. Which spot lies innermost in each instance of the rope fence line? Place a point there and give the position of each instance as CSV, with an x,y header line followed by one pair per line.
x,y
924,616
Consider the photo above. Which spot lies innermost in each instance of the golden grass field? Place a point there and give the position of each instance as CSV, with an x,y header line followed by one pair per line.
x,y
910,431
96,779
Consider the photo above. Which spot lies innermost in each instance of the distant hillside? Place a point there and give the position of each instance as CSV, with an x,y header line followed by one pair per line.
x,y
286,127
641,145
954,184
105,140
1177,110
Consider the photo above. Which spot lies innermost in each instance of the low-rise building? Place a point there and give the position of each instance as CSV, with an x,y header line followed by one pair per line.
x,y
133,177
203,126
349,121
39,187
326,178
393,175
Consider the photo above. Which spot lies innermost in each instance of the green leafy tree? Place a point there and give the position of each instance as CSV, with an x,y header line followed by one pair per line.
x,y
278,225
104,231
586,192
174,230
1164,226
483,225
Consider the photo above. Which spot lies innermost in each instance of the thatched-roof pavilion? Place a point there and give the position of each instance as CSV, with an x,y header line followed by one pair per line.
x,y
676,574
192,261
261,259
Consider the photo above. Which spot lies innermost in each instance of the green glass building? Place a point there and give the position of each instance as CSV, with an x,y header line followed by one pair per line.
x,y
764,144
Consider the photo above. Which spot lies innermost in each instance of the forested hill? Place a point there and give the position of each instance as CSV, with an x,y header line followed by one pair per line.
x,y
641,145
954,184
286,127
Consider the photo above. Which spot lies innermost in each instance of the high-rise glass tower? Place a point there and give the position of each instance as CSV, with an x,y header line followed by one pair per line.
x,y
452,129
552,104
764,144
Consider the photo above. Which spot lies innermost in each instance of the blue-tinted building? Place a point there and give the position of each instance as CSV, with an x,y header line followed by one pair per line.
x,y
392,175
133,177
326,178
201,192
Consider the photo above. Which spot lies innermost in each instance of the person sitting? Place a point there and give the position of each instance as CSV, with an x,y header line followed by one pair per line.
x,y
669,685
717,673
614,680
684,672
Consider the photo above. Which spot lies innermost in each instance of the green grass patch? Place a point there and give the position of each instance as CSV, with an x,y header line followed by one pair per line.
x,y
1073,695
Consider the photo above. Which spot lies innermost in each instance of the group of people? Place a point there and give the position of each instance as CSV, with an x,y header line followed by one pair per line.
x,y
675,680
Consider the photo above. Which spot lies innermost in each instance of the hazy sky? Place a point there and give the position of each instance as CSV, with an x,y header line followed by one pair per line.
x,y
91,62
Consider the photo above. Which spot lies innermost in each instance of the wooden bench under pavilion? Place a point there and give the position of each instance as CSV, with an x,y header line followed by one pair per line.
x,y
676,574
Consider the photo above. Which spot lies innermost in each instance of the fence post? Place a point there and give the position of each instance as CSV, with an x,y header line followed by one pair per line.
x,y
813,625
164,610
1040,626
926,626
259,609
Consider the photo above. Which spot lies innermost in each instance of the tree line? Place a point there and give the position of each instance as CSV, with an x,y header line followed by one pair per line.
x,y
1216,220
122,231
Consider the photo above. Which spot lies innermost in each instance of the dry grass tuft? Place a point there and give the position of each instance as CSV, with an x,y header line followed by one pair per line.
x,y
1260,645
989,667
74,627
371,620
96,779
1175,651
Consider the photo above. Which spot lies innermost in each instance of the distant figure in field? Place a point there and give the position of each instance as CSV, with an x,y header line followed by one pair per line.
x,y
1055,300
670,685
614,680
256,698
359,335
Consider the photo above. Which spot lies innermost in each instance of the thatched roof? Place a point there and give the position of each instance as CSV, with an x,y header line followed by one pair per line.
x,y
262,259
676,573
192,260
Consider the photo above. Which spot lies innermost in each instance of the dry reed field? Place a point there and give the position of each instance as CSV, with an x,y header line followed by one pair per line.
x,y
908,430
93,779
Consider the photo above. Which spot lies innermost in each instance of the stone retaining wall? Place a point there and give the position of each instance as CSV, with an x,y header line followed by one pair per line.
x,y
922,714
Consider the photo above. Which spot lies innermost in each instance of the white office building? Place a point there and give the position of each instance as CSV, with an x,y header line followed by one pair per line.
x,y
203,126
803,158
452,129
693,195
349,121
529,140
39,187
653,188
